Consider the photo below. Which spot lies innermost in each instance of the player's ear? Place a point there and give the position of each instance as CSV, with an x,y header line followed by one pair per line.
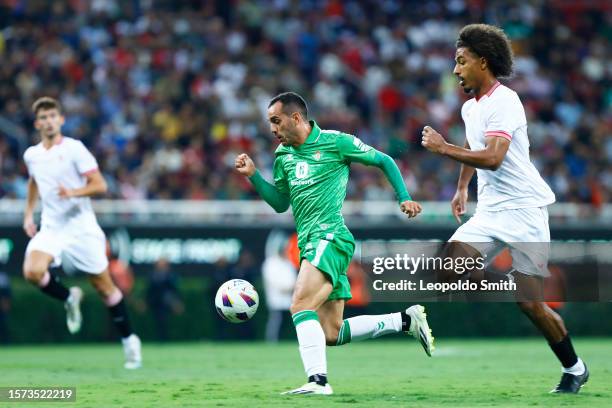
x,y
483,64
296,117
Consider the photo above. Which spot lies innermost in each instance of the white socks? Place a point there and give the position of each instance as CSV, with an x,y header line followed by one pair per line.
x,y
576,369
369,327
312,342
312,339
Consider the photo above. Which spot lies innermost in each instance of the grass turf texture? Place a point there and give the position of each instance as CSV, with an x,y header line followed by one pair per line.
x,y
464,373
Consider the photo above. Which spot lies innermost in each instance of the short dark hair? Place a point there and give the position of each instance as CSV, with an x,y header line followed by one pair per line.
x,y
291,102
45,103
492,44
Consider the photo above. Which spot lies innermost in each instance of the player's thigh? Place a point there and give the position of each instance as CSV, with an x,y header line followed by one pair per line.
x,y
86,249
312,288
36,263
478,229
330,316
530,242
529,288
477,238
43,250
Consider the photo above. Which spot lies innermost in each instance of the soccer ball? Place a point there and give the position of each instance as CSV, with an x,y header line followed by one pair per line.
x,y
236,301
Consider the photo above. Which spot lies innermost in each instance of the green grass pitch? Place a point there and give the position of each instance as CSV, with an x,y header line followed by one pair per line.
x,y
396,373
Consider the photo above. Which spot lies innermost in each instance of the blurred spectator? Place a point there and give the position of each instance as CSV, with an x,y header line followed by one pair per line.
x,y
163,297
279,277
5,306
166,93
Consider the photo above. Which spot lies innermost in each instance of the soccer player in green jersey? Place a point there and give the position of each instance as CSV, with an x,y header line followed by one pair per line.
x,y
311,171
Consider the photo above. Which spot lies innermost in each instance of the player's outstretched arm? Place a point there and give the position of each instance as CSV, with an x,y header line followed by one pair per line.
x,y
95,185
28,218
392,173
489,158
354,150
271,195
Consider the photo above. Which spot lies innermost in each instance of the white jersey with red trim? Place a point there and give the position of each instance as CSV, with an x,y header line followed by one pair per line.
x,y
516,183
66,163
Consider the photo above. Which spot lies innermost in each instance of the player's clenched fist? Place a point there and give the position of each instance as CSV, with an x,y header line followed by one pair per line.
x,y
29,226
411,208
244,165
432,140
458,204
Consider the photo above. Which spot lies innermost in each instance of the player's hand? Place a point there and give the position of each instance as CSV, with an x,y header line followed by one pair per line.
x,y
432,140
458,203
29,226
244,165
65,192
411,208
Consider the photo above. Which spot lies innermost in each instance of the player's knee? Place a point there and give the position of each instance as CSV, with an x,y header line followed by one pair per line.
x,y
300,302
297,306
34,273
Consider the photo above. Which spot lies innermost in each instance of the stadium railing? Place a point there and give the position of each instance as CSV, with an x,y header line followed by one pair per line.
x,y
256,212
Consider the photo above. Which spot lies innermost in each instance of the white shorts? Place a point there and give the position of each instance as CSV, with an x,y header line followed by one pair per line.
x,y
83,248
524,230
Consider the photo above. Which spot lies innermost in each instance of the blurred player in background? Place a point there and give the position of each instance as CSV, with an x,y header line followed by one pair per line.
x,y
512,196
163,297
311,172
65,174
279,277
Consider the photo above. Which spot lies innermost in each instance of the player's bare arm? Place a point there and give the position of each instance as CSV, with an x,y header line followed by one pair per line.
x,y
244,165
459,201
29,226
95,185
489,158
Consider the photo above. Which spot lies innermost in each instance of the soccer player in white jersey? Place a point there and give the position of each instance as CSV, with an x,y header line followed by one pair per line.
x,y
512,196
64,174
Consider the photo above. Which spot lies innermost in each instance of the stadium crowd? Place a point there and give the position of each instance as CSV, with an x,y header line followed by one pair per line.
x,y
166,93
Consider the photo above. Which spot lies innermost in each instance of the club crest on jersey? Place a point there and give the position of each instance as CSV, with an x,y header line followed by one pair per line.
x,y
317,155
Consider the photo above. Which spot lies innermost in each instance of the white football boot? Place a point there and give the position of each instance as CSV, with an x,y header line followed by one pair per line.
x,y
311,388
132,350
419,328
73,310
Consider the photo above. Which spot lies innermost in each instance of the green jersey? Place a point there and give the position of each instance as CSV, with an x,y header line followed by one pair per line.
x,y
314,177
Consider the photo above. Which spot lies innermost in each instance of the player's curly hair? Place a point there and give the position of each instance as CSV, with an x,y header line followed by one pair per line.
x,y
46,103
492,44
291,102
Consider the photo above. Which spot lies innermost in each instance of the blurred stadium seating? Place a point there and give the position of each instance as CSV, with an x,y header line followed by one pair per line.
x,y
167,92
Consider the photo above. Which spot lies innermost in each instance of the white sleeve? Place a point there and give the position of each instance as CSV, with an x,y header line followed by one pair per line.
x,y
503,119
83,159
